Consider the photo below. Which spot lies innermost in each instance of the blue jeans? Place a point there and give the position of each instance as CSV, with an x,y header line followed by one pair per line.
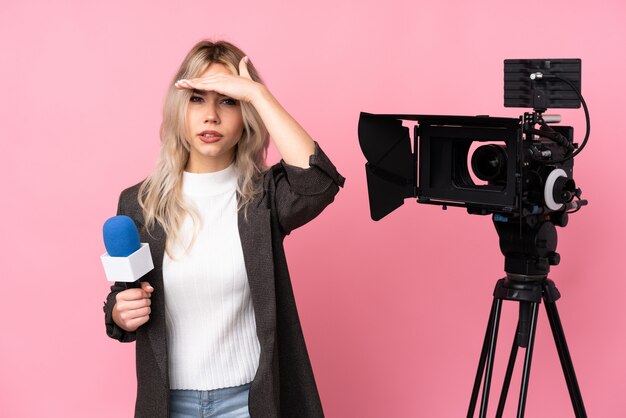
x,y
218,403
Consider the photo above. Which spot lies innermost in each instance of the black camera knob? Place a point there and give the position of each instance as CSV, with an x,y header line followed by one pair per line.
x,y
554,258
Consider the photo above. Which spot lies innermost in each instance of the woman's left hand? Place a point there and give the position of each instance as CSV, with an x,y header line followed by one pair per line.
x,y
239,87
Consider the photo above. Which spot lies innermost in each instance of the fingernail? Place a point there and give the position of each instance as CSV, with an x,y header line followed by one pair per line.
x,y
246,59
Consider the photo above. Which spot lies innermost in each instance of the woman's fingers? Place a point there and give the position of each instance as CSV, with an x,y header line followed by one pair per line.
x,y
182,84
207,83
132,294
133,324
133,304
239,87
147,288
243,67
132,307
129,315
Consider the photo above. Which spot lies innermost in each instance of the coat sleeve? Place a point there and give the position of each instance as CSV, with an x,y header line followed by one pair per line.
x,y
112,329
300,194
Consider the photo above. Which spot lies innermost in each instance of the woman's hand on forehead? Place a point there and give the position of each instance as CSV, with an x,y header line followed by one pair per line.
x,y
239,87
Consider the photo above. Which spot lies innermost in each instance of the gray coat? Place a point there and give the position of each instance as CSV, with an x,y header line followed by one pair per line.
x,y
284,385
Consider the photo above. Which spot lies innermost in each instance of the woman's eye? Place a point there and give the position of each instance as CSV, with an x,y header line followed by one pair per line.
x,y
196,99
230,102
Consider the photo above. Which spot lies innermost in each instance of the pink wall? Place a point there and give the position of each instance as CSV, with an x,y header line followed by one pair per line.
x,y
395,315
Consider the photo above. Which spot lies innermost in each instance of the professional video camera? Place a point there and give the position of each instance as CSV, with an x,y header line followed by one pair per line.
x,y
520,170
521,176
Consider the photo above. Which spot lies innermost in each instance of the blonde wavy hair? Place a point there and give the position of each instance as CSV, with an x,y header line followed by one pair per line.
x,y
160,194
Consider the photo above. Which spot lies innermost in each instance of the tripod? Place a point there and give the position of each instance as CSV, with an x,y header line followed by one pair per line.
x,y
529,251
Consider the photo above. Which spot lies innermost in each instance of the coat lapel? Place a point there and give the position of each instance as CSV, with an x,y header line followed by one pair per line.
x,y
256,243
157,331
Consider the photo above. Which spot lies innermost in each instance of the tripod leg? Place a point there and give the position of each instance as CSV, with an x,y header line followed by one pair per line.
x,y
508,375
527,361
491,353
481,362
566,360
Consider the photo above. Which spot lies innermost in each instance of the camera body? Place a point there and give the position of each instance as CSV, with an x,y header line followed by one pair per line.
x,y
513,168
489,165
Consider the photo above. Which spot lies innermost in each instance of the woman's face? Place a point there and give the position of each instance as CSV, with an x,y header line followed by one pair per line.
x,y
214,126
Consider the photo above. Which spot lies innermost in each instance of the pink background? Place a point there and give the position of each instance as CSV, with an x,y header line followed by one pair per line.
x,y
394,312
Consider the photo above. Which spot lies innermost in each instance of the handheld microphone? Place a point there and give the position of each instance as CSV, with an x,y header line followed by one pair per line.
x,y
126,259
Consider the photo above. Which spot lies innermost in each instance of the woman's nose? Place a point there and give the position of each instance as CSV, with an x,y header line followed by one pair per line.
x,y
211,115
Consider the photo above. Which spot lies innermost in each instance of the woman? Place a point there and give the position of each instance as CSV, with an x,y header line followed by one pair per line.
x,y
215,322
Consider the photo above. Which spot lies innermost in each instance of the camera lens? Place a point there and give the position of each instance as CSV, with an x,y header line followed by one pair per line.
x,y
489,163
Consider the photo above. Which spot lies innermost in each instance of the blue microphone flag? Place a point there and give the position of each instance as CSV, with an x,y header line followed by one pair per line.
x,y
121,237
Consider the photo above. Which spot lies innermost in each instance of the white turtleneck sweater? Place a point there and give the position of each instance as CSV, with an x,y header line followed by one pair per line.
x,y
211,331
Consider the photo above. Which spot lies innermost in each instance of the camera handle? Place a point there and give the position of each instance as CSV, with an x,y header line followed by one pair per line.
x,y
545,131
526,283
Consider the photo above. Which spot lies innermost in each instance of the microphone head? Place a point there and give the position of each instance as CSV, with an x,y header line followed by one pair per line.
x,y
121,237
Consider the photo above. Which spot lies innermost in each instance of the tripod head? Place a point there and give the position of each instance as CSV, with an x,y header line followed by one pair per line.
x,y
528,246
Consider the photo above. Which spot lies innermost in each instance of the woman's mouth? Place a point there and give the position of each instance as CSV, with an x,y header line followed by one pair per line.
x,y
210,137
